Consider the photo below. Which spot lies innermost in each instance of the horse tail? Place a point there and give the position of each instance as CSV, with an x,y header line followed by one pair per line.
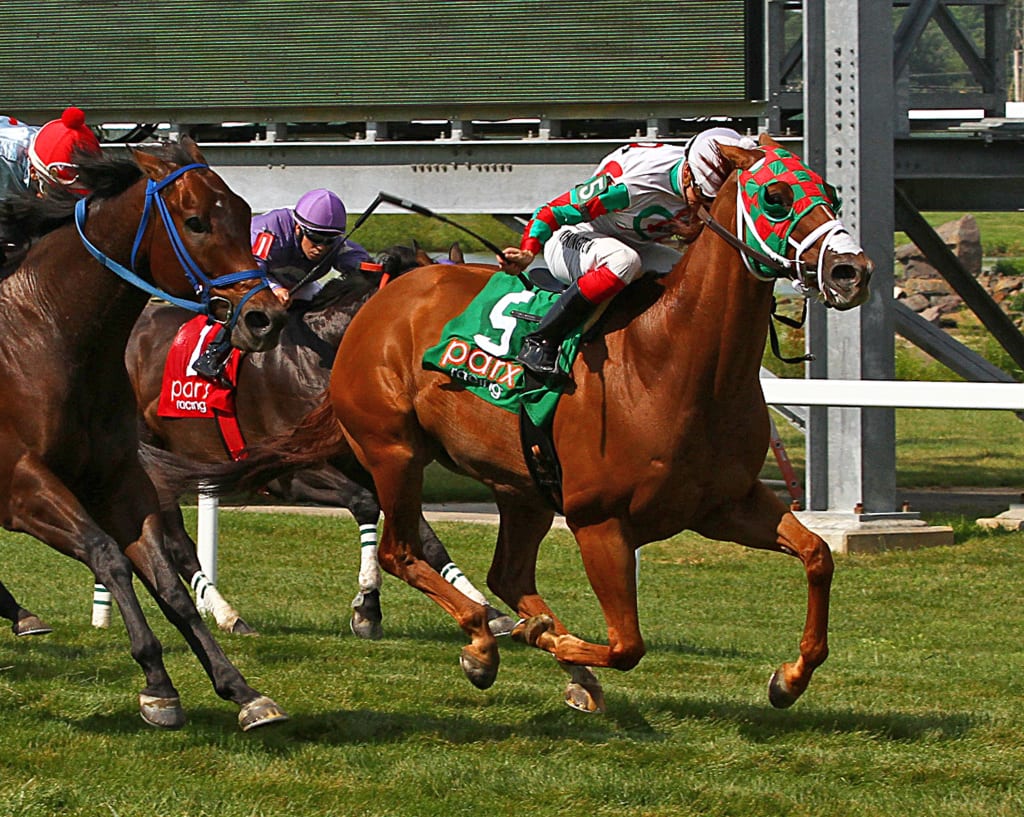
x,y
316,440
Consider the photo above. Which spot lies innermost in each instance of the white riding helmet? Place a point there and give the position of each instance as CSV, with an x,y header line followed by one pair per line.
x,y
705,160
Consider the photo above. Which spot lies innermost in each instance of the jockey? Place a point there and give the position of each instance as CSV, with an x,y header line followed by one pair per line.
x,y
296,246
41,157
595,236
51,150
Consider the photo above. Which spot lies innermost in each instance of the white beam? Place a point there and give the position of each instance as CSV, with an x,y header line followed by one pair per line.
x,y
893,394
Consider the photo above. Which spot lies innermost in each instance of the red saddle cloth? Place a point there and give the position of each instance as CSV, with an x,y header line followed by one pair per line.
x,y
184,393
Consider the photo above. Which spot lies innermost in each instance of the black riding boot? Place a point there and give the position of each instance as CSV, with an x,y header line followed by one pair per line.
x,y
540,348
210,364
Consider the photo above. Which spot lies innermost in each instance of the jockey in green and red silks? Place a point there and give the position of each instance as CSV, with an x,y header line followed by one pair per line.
x,y
609,230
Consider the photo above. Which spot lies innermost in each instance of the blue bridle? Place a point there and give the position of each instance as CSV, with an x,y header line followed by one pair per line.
x,y
201,282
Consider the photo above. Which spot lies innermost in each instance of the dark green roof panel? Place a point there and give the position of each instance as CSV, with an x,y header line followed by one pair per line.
x,y
281,58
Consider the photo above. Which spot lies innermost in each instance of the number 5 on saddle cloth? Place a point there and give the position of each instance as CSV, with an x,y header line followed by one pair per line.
x,y
478,349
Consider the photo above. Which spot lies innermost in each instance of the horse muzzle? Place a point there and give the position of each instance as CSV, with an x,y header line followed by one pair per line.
x,y
259,326
844,280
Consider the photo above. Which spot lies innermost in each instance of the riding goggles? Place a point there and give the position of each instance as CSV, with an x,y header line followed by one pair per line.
x,y
319,239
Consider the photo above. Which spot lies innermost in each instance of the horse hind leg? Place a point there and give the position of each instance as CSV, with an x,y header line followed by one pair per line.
x,y
22,621
762,521
438,558
183,552
367,617
399,484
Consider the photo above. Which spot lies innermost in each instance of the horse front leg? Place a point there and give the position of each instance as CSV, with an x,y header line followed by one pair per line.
x,y
131,510
762,521
367,617
43,507
22,621
181,547
609,559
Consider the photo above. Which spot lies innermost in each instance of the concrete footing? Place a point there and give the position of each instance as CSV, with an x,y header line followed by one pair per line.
x,y
874,532
1012,519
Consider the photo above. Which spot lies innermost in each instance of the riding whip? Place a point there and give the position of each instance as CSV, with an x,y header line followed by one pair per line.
x,y
405,204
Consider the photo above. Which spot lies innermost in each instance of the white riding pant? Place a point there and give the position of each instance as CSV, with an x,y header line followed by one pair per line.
x,y
574,250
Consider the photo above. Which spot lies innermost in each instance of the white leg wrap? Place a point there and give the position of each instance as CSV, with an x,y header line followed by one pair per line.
x,y
369,570
209,600
451,574
100,606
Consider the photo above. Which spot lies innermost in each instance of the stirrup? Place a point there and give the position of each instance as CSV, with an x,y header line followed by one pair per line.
x,y
539,355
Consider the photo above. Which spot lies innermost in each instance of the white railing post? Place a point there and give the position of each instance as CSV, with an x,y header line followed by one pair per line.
x,y
206,535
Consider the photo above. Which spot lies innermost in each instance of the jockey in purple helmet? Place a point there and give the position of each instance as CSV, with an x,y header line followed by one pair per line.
x,y
296,246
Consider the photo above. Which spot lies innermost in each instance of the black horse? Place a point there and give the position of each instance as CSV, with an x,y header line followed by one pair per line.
x,y
274,390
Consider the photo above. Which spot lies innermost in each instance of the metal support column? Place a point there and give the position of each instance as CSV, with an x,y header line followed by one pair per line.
x,y
848,61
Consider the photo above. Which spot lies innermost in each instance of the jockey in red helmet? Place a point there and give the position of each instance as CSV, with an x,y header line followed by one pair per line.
x,y
52,148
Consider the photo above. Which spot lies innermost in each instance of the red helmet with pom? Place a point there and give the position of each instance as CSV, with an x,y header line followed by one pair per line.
x,y
52,147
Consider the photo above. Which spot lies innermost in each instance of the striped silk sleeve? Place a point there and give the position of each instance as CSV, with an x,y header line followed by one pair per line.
x,y
585,202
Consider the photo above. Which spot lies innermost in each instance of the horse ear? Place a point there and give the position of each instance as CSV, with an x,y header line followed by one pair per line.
x,y
740,158
192,149
455,253
153,166
157,168
766,141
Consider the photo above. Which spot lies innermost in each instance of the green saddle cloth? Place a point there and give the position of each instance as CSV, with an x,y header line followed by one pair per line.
x,y
478,349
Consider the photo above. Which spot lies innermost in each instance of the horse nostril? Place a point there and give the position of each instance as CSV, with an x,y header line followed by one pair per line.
x,y
257,321
844,273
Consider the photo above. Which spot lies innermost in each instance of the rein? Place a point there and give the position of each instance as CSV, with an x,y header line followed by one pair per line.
x,y
201,282
770,262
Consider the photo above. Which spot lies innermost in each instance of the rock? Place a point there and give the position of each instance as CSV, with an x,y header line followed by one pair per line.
x,y
917,302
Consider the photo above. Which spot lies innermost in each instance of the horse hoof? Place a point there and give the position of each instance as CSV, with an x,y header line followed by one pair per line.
x,y
242,627
584,699
528,631
260,712
779,693
367,616
498,623
31,625
480,674
164,713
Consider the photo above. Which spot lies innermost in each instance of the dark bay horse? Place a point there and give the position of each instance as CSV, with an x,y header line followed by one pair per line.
x,y
158,222
663,428
275,390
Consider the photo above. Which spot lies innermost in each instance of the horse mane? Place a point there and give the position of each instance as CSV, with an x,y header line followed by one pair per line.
x,y
25,216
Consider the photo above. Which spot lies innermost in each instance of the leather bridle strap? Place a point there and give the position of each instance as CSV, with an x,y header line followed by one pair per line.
x,y
737,243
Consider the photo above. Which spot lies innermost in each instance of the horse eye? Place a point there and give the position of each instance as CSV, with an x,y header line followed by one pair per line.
x,y
775,203
195,224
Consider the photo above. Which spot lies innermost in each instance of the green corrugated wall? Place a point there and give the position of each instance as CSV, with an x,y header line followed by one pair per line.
x,y
210,60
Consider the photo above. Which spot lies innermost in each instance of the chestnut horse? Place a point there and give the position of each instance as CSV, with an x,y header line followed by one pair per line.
x,y
663,427
275,390
159,222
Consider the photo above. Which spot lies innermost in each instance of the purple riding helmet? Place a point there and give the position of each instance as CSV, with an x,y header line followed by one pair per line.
x,y
321,211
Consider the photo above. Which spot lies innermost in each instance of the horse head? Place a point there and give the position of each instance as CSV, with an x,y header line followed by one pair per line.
x,y
204,248
787,219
